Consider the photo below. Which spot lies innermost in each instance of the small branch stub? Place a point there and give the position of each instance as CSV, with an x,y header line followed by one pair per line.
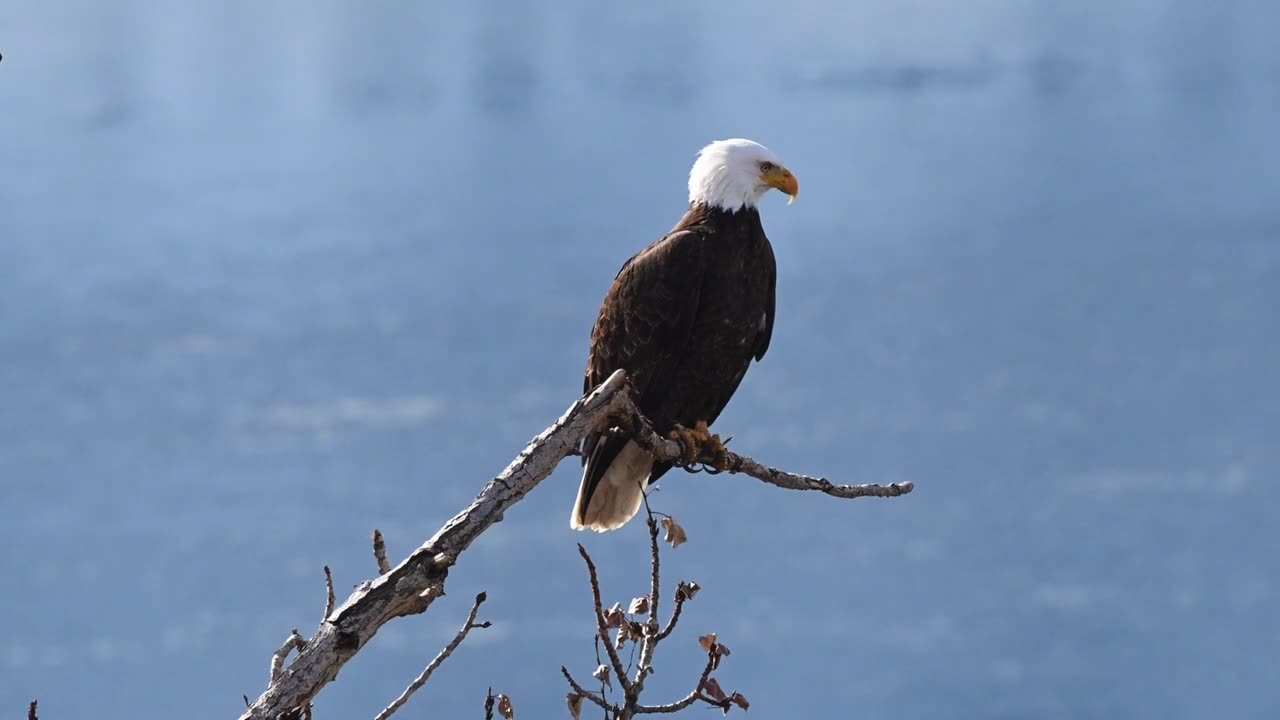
x,y
330,599
380,553
291,643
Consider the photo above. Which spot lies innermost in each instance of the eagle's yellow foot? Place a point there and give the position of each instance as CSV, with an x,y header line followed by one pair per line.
x,y
719,454
698,442
691,440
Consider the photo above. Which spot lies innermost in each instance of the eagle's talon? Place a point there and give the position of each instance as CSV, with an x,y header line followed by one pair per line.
x,y
699,446
713,446
722,461
716,453
689,444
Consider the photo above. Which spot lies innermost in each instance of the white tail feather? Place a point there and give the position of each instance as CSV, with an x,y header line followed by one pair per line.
x,y
619,495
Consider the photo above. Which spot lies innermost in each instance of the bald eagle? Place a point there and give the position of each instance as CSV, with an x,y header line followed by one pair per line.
x,y
684,317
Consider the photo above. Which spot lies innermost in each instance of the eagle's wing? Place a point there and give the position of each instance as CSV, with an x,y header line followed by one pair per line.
x,y
766,334
762,285
647,314
643,328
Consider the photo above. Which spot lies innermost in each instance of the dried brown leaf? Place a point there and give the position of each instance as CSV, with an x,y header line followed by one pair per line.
x,y
614,616
740,701
675,534
624,634
687,590
707,642
639,606
602,674
712,688
504,707
713,648
575,706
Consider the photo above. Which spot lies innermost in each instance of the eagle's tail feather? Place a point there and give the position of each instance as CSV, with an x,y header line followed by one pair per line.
x,y
618,494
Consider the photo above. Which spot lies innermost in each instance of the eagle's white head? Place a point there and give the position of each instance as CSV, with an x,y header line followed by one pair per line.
x,y
733,174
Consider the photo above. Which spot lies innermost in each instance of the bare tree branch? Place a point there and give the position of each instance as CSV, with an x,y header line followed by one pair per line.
x,y
603,631
672,451
651,639
31,711
648,637
593,697
411,587
684,592
687,700
431,667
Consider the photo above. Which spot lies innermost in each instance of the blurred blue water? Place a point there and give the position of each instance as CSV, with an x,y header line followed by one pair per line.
x,y
274,275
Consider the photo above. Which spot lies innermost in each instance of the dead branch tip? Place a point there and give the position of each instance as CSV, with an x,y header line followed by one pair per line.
x,y
380,552
331,598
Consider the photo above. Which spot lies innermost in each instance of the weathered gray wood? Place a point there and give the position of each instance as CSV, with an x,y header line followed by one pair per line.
x,y
412,586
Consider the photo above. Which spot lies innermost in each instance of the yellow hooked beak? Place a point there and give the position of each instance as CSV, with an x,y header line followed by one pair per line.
x,y
781,178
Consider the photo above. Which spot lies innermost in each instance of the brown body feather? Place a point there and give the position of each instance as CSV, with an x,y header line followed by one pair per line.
x,y
684,317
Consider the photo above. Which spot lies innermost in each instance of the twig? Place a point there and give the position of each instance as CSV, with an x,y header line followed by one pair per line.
x,y
444,654
599,702
712,701
380,553
653,556
604,688
31,711
672,451
794,481
689,699
598,663
681,597
684,593
618,670
488,704
650,641
328,584
293,642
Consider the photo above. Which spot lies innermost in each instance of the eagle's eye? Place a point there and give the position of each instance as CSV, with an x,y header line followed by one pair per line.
x,y
766,166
